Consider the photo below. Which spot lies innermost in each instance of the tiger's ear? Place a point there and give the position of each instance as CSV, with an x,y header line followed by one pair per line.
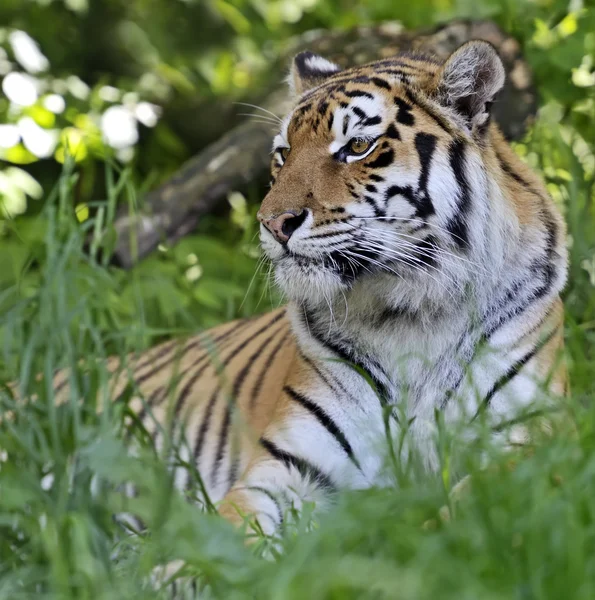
x,y
469,80
309,70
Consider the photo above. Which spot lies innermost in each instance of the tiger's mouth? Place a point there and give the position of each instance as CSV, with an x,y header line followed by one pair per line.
x,y
348,263
306,271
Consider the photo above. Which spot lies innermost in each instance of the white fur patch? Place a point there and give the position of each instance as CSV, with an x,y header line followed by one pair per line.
x,y
318,63
280,140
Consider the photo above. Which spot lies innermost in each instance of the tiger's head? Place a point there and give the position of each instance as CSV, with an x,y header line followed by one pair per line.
x,y
380,170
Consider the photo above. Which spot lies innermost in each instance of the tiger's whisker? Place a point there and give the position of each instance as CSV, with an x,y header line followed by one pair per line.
x,y
264,110
436,251
408,220
257,117
403,259
259,266
443,252
401,234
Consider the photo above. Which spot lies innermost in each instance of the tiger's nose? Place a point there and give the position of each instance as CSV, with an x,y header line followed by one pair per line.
x,y
284,225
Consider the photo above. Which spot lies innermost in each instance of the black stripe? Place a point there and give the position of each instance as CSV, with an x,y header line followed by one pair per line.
x,y
349,268
346,120
372,121
323,418
202,430
405,191
148,404
420,61
392,132
225,425
358,94
327,234
271,497
427,251
419,58
153,400
160,394
325,379
404,115
338,82
463,353
345,352
303,109
402,75
512,372
543,268
508,169
378,211
425,144
304,467
457,226
363,116
438,119
162,352
383,160
201,366
381,83
202,340
201,435
265,368
331,120
395,313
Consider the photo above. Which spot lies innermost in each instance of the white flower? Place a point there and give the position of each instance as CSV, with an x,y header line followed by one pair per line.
x,y
39,141
20,88
119,128
27,52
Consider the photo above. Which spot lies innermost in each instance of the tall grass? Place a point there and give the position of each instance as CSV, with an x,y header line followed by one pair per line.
x,y
526,532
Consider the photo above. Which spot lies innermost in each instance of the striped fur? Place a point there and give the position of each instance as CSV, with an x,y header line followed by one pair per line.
x,y
433,262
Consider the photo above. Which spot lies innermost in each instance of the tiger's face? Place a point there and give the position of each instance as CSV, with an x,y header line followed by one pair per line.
x,y
374,170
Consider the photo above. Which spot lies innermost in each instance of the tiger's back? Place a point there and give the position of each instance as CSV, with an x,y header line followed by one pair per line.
x,y
218,388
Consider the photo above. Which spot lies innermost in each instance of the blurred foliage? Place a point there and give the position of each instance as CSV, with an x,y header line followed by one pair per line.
x,y
130,86
163,65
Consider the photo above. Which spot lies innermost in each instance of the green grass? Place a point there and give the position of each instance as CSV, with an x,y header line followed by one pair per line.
x,y
526,533
522,533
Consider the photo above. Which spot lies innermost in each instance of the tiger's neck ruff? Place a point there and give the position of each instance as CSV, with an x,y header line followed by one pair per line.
x,y
422,239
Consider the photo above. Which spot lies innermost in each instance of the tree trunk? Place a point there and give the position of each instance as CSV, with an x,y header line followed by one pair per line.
x,y
241,156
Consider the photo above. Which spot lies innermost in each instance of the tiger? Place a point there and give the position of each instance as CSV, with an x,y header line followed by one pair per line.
x,y
422,262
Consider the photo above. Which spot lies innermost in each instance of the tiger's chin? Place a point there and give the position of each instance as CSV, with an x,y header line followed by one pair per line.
x,y
313,283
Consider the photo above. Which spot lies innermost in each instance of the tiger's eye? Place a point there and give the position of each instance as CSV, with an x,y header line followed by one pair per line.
x,y
284,153
359,146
